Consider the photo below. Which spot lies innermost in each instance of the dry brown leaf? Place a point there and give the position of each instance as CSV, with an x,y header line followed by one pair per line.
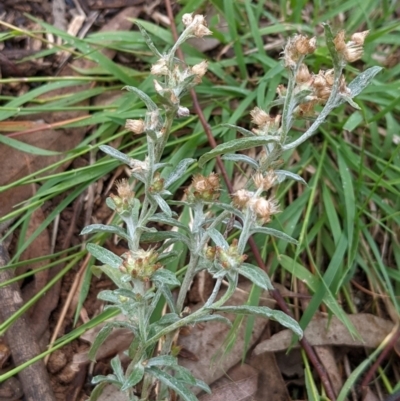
x,y
271,385
239,384
205,341
324,331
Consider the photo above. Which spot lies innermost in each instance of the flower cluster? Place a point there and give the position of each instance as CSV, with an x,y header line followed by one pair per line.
x,y
205,189
226,259
140,264
261,207
123,201
266,124
352,50
298,47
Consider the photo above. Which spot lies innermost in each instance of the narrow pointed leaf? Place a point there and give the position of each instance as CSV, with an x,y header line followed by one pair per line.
x,y
256,275
102,228
178,171
274,233
116,154
236,145
266,312
134,378
172,383
104,255
146,99
239,158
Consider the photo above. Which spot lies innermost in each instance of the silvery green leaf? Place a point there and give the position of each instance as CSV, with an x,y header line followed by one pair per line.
x,y
243,131
168,319
104,255
281,175
134,377
236,145
151,106
135,211
337,62
162,360
168,257
104,332
350,101
173,236
212,318
116,276
163,205
109,379
164,277
178,171
256,275
300,96
266,312
101,228
148,41
274,233
157,166
172,383
98,390
218,238
183,374
363,80
110,203
231,209
162,218
203,386
116,154
169,299
117,368
239,158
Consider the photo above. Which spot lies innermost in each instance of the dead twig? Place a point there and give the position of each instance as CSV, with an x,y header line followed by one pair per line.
x,y
21,339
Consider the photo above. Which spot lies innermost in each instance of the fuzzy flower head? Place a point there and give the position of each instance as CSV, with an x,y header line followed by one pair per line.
x,y
297,47
135,126
125,195
353,49
160,68
265,123
265,182
140,264
228,258
204,188
264,209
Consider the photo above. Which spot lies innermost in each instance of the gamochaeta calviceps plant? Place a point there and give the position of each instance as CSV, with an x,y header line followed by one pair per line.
x,y
141,274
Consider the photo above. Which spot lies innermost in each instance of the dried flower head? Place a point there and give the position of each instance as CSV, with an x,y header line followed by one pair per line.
x,y
138,166
182,112
200,69
339,41
229,258
303,75
124,190
204,188
241,198
352,50
140,264
265,181
160,68
264,209
200,26
297,47
359,37
135,126
187,19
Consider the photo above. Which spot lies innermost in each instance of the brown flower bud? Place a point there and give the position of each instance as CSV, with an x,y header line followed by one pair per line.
x,y
339,42
135,126
160,67
303,75
241,198
200,69
359,37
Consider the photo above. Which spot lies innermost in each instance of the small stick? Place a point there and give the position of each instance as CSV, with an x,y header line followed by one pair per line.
x,y
21,339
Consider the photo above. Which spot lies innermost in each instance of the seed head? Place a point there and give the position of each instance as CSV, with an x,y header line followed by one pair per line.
x,y
160,68
265,182
200,69
200,26
187,19
303,75
241,198
135,126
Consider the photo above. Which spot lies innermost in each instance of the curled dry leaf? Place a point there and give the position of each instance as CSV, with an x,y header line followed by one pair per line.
x,y
323,331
